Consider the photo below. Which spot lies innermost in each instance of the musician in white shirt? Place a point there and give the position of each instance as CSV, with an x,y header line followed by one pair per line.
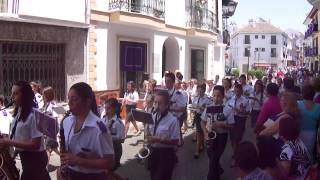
x,y
5,118
246,88
25,136
256,100
164,139
241,108
200,102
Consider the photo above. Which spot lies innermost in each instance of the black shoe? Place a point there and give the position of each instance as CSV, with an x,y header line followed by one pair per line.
x,y
196,156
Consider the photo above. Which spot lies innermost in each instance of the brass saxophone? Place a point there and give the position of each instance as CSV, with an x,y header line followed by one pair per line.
x,y
8,169
63,169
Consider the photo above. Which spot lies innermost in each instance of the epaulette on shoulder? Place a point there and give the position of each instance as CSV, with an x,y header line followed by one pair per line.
x,y
102,126
4,113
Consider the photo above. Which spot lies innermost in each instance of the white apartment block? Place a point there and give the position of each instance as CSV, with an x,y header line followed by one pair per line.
x,y
259,44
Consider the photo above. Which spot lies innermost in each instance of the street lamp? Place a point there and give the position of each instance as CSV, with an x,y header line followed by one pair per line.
x,y
248,53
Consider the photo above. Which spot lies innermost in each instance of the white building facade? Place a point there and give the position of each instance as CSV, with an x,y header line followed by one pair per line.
x,y
129,39
258,44
43,40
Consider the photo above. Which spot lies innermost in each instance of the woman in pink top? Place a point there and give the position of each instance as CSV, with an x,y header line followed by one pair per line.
x,y
270,108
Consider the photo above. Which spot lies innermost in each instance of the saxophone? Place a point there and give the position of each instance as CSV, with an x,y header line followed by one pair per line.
x,y
8,169
63,169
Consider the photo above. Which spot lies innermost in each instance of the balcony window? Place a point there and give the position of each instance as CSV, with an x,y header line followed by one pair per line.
x,y
273,52
263,49
263,36
273,39
247,39
200,17
256,36
154,8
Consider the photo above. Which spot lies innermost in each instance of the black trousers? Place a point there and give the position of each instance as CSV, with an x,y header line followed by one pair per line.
x,y
34,165
162,162
74,175
237,131
214,150
254,117
117,146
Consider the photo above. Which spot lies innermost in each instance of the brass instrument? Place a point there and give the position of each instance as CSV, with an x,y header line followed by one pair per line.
x,y
145,152
63,169
212,134
8,169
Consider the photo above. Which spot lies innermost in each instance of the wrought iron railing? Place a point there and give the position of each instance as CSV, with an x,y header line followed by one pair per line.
x,y
153,8
201,18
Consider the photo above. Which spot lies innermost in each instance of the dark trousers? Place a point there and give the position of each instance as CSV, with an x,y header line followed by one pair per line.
x,y
215,149
162,162
254,116
117,147
74,175
237,131
34,165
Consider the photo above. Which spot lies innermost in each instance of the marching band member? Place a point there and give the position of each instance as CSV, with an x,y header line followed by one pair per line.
x,y
49,105
200,102
89,150
36,88
130,100
241,108
116,127
246,88
256,100
219,122
227,84
177,103
5,118
164,139
25,136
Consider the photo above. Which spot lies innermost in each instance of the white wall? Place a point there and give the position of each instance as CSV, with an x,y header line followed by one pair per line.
x,y
101,57
69,10
175,12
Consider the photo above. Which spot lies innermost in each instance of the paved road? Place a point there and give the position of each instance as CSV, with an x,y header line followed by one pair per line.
x,y
188,168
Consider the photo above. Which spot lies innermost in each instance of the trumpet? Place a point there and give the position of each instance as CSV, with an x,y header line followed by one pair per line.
x,y
145,152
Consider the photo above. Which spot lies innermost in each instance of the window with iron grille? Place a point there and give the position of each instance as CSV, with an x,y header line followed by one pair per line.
x,y
247,39
273,39
273,52
32,61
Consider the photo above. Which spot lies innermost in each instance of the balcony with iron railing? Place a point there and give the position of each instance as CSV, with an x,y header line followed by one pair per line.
x,y
152,8
201,18
9,6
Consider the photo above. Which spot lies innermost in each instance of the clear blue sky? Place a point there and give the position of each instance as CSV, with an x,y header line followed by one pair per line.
x,y
282,13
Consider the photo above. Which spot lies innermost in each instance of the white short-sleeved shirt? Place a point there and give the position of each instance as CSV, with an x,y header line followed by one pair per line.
x,y
133,96
48,108
5,120
92,141
228,118
185,95
39,100
203,101
115,127
176,101
247,89
229,94
168,128
256,100
26,130
241,103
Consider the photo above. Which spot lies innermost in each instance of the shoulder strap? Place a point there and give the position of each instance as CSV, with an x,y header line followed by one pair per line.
x,y
14,128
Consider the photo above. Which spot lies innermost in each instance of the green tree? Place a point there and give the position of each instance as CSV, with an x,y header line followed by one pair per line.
x,y
235,72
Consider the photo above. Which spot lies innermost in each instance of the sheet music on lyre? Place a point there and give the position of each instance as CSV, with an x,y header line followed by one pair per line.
x,y
46,124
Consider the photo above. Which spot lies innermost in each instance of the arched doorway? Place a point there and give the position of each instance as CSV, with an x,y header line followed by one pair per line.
x,y
170,55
